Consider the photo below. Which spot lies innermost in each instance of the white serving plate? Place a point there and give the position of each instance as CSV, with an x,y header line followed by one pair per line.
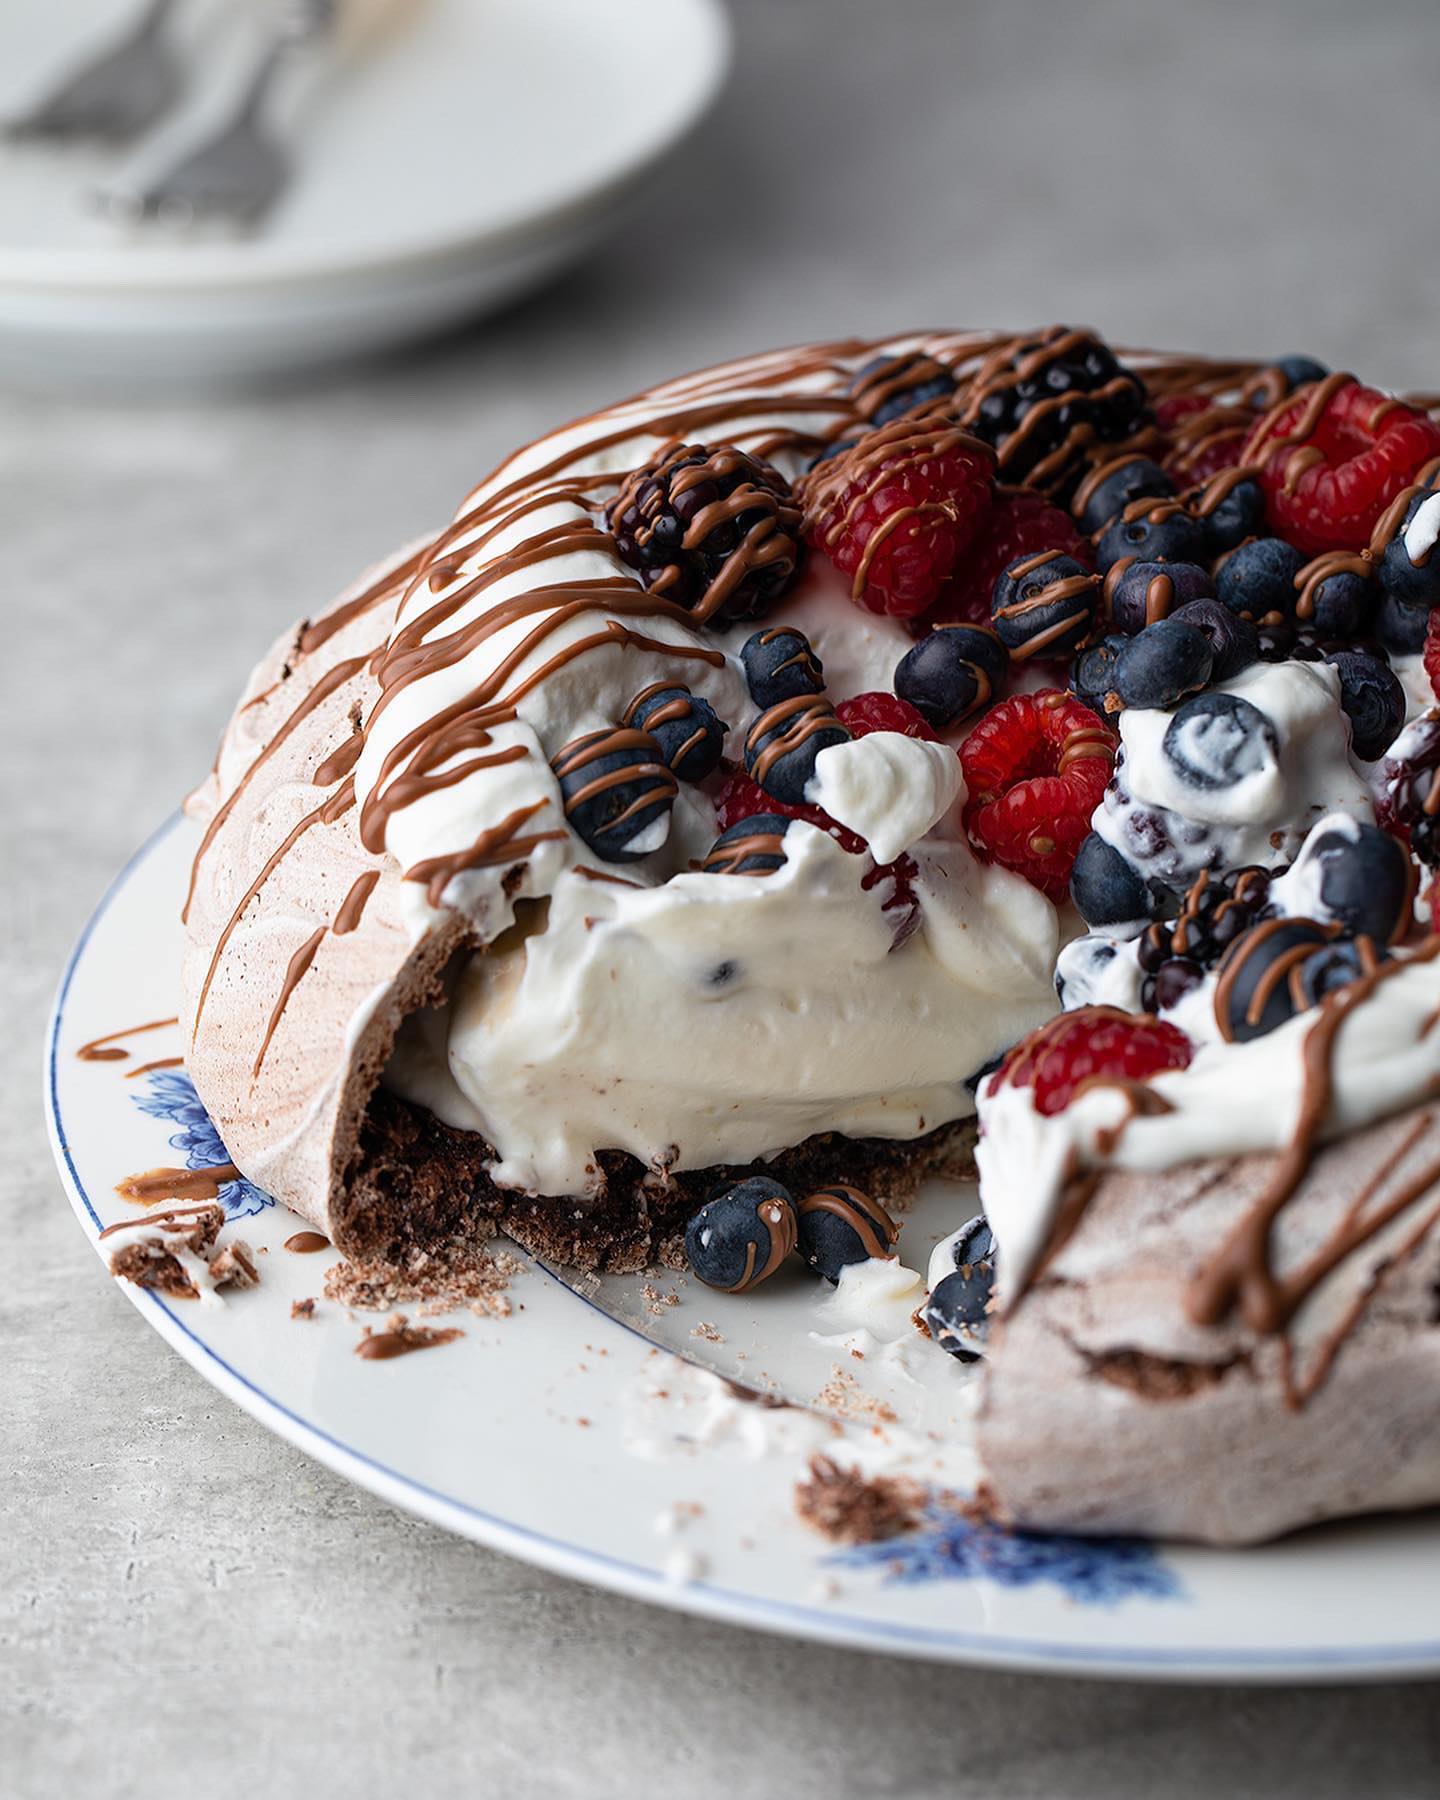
x,y
450,154
545,1435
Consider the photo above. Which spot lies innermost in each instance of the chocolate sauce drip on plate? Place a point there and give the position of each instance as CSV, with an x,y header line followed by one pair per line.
x,y
176,1184
306,1243
107,1048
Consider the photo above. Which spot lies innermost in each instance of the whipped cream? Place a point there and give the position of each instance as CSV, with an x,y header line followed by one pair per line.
x,y
888,788
1232,1100
1423,531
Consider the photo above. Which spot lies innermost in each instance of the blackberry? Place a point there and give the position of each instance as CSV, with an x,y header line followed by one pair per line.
x,y
1175,955
709,528
1407,788
1041,403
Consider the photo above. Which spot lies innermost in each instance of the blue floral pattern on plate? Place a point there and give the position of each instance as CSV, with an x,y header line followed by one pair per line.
x,y
171,1095
948,1546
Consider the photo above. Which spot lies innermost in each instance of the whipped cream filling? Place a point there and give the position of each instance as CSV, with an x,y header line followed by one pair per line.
x,y
1232,1100
721,1018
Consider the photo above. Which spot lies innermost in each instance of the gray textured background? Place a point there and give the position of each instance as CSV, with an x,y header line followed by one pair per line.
x,y
187,1606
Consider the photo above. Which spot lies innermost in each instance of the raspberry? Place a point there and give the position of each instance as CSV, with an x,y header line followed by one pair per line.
x,y
1175,407
1406,788
882,712
1036,767
898,510
1333,457
1021,523
1432,653
1093,1043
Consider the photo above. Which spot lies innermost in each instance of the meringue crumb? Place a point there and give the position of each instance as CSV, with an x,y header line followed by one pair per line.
x,y
843,1394
707,1331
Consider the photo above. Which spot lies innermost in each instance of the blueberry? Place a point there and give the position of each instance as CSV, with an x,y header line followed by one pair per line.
x,y
690,733
1257,579
1277,641
1415,583
1092,674
889,386
1339,605
952,673
835,447
1104,887
1216,740
1253,997
750,846
779,664
742,1234
1044,605
782,744
1111,487
840,1225
957,1311
974,1244
618,791
1401,628
1168,660
1336,966
1365,882
1237,513
1373,701
1140,593
1272,384
1151,531
1234,642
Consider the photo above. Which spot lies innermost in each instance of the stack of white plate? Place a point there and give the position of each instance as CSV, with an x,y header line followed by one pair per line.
x,y
447,158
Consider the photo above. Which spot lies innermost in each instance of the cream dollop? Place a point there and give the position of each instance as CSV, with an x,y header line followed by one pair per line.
x,y
888,788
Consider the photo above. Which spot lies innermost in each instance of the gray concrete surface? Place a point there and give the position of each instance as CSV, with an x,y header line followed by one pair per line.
x,y
188,1607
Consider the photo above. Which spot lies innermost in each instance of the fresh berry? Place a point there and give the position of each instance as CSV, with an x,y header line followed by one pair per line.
x,y
954,672
1022,523
840,1225
1407,787
1432,652
956,1312
898,511
1259,976
1339,604
741,1235
1333,457
1151,531
782,744
1105,889
1206,440
1044,606
1257,579
1356,877
1093,1043
878,711
1336,966
889,386
1400,628
1171,410
1136,593
1110,487
1372,699
1092,674
1409,564
1174,955
1035,769
1216,740
1234,642
617,790
1043,402
690,733
752,845
709,528
1230,511
1279,379
780,665
1167,661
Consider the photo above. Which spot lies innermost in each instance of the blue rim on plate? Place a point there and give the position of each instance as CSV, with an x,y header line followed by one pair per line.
x,y
1241,1662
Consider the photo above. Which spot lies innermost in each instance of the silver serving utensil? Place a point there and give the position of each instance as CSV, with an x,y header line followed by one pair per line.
x,y
116,93
239,171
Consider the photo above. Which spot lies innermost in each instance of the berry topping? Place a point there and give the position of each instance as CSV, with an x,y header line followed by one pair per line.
x,y
1110,487
1217,740
690,733
1333,457
1216,910
1092,674
954,672
782,744
1336,602
1281,378
1044,402
1167,661
896,512
1432,652
1373,701
1407,788
1104,887
1359,878
1206,438
1231,507
1262,981
1091,1044
753,845
1409,566
1151,531
1234,642
1257,579
1044,606
1035,769
1136,593
710,528
780,665
889,386
618,791
839,1225
1400,628
878,711
1022,523
741,1235
956,1312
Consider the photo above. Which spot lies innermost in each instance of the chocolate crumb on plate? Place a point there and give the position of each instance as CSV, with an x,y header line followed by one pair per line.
x,y
850,1508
